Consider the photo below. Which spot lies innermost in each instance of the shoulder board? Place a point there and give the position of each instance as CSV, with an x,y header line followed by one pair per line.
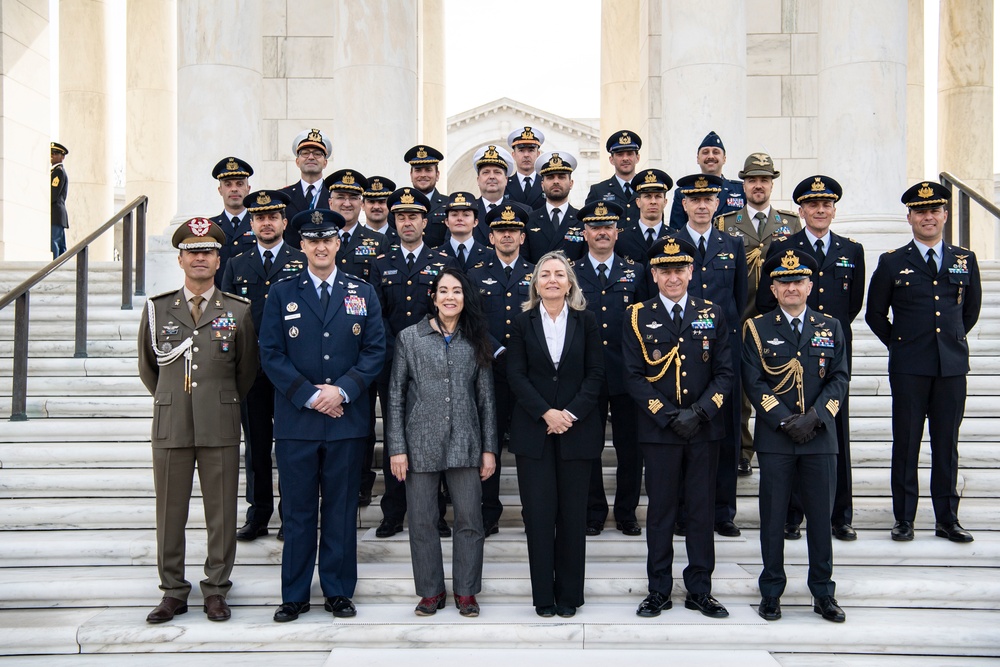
x,y
479,265
294,276
790,214
889,252
381,256
757,317
235,297
351,277
707,302
852,240
958,247
629,261
163,294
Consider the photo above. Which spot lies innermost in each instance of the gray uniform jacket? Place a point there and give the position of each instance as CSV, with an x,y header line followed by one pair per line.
x,y
441,408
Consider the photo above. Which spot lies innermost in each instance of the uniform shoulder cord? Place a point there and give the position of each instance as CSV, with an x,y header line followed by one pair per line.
x,y
672,357
792,370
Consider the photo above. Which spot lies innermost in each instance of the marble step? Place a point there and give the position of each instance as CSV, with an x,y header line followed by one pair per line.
x,y
65,330
75,659
138,547
382,583
109,512
512,628
65,348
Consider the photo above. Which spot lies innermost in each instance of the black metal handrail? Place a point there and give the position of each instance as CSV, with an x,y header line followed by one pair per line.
x,y
20,294
963,219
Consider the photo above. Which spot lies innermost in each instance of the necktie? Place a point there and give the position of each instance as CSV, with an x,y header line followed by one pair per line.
x,y
461,254
602,274
677,316
701,248
310,191
931,263
268,261
761,221
196,309
236,222
409,262
820,255
508,270
346,238
628,191
555,219
491,207
649,237
795,329
324,299
527,184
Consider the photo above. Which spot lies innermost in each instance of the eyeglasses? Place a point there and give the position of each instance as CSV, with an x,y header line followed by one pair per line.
x,y
312,153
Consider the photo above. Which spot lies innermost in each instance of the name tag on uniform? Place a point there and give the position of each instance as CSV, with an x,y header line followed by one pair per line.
x,y
390,272
355,305
293,317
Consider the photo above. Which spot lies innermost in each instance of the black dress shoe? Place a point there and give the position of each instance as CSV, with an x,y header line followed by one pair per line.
x,y
364,498
565,611
491,529
845,532
680,529
388,528
289,611
792,531
443,529
594,528
953,531
828,608
902,531
216,608
341,606
166,610
281,533
546,611
630,528
744,470
706,604
653,605
769,609
728,529
251,531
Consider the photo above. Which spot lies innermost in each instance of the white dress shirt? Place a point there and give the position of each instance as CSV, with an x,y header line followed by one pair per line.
x,y
555,331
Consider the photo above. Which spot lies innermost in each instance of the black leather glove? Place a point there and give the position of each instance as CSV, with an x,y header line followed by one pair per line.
x,y
686,423
802,428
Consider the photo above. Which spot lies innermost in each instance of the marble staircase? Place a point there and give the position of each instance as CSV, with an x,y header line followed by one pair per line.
x,y
78,557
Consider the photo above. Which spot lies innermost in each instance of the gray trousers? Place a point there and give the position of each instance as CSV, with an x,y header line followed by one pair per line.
x,y
425,544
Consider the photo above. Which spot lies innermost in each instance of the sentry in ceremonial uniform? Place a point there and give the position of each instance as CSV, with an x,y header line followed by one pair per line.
x,y
424,176
322,344
555,225
623,154
839,291
795,373
494,166
58,189
525,187
250,275
651,187
311,150
935,294
611,286
711,159
376,211
679,371
358,246
198,358
503,282
233,175
402,279
460,243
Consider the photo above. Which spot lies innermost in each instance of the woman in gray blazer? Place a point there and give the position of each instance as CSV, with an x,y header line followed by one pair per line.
x,y
441,418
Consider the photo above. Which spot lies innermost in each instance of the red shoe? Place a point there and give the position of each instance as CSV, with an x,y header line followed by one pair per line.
x,y
429,606
467,605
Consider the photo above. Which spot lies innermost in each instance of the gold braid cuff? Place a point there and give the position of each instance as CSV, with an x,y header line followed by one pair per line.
x,y
673,357
792,370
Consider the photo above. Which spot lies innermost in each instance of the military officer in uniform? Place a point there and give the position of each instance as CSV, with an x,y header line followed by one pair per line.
x,y
679,371
461,221
503,281
525,187
839,292
555,225
759,224
494,166
58,189
623,154
711,159
250,276
611,285
795,373
651,187
311,150
935,294
198,358
322,344
233,175
424,176
376,212
720,277
358,246
402,278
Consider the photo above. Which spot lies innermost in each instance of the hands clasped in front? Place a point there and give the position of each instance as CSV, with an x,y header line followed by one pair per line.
x,y
802,428
329,401
557,421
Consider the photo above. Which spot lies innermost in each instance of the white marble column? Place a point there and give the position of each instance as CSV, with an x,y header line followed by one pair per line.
x,y
862,115
703,70
965,107
25,132
620,57
915,91
374,82
432,36
151,109
83,121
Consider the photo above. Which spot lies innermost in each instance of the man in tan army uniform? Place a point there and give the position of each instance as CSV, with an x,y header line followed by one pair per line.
x,y
758,223
198,358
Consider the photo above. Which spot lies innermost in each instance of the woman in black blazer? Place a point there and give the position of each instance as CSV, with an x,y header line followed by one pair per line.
x,y
555,430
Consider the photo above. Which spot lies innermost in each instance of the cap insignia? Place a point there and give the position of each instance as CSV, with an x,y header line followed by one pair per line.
x,y
672,248
625,138
527,134
348,179
263,199
790,261
555,160
650,177
600,209
761,159
507,215
818,185
702,182
925,190
421,153
316,218
232,165
376,184
460,198
199,226
315,135
406,197
491,153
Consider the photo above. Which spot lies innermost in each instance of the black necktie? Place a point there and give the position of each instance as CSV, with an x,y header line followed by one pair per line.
x,y
677,315
820,255
931,263
346,238
268,261
310,191
409,262
461,254
628,191
491,207
527,184
602,274
761,222
236,222
795,329
508,270
649,237
324,299
701,248
555,219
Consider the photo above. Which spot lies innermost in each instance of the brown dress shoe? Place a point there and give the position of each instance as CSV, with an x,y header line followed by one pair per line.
x,y
467,605
166,610
216,608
